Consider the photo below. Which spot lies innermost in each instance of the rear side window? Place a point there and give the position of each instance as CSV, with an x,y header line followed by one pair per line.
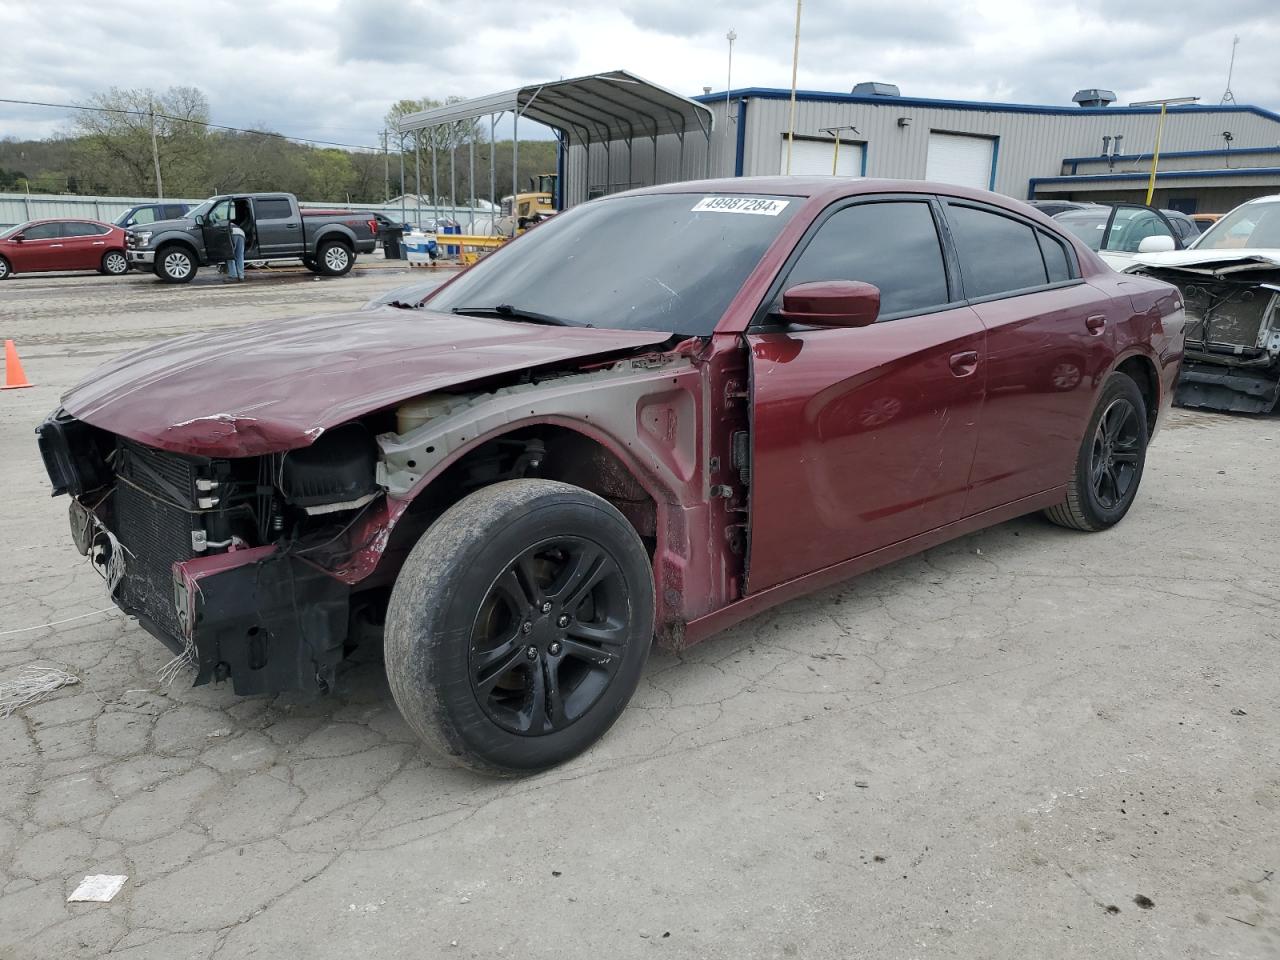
x,y
1055,257
143,215
998,255
272,208
175,210
893,245
78,228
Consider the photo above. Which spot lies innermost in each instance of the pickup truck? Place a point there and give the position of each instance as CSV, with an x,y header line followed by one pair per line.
x,y
275,229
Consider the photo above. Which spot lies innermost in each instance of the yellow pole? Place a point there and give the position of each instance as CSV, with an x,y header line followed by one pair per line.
x,y
835,156
795,65
1155,157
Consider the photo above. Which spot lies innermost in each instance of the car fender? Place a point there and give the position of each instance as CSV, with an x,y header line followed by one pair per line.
x,y
333,231
177,236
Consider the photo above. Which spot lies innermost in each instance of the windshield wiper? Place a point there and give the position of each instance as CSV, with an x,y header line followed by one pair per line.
x,y
508,312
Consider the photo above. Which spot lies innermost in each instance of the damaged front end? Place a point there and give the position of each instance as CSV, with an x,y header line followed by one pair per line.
x,y
1232,358
224,560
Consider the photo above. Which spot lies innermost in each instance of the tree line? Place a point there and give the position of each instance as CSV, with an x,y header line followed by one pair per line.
x,y
107,151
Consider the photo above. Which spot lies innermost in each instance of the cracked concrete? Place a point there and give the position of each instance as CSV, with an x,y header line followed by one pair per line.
x,y
989,750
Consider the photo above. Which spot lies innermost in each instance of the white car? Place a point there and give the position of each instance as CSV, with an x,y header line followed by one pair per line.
x,y
1230,278
1118,232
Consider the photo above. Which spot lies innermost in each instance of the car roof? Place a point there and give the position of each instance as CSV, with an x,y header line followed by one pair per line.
x,y
827,189
32,223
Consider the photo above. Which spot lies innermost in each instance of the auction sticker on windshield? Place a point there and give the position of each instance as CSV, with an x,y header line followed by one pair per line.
x,y
765,206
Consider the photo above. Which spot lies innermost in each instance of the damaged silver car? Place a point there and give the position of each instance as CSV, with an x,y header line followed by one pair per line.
x,y
1230,280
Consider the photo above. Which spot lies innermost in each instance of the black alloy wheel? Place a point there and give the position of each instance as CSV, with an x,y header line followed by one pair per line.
x,y
1109,462
1113,457
548,637
519,625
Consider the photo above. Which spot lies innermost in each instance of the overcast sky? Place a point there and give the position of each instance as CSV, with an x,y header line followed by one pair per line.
x,y
328,69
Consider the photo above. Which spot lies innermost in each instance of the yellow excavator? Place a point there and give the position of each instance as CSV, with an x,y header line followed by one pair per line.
x,y
526,209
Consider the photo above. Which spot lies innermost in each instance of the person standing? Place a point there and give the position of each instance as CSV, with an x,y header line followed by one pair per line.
x,y
235,266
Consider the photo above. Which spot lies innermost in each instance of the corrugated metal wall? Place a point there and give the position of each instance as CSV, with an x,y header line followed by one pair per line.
x,y
1029,144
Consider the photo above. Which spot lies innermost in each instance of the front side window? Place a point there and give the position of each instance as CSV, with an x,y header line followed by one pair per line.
x,y
42,231
998,255
668,262
219,213
1089,225
893,245
1131,226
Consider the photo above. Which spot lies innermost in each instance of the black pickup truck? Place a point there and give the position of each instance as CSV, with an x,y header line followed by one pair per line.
x,y
275,229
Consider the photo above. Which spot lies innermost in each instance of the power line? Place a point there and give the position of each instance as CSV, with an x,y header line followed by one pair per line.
x,y
202,123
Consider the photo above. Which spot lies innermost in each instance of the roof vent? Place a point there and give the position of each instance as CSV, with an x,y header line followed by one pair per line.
x,y
871,88
1093,97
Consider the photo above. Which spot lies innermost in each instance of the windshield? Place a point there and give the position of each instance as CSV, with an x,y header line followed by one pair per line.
x,y
664,262
1252,226
1088,225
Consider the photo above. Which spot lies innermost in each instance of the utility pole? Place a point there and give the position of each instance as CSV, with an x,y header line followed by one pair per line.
x,y
731,36
795,66
386,170
155,149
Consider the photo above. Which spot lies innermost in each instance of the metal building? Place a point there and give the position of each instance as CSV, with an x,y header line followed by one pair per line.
x,y
1212,157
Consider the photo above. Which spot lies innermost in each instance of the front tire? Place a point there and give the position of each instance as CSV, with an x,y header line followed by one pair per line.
x,y
334,258
518,627
6,271
1109,464
115,263
175,264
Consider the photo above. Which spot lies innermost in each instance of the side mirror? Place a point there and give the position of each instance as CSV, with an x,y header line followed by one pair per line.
x,y
19,238
1156,245
832,303
199,218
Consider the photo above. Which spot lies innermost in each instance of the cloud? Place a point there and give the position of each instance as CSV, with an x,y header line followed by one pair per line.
x,y
329,69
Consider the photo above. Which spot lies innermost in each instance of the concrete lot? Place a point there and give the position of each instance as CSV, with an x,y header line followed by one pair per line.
x,y
989,750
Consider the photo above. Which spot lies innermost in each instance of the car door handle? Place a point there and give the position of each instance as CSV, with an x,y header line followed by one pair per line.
x,y
964,363
52,245
1096,324
291,226
99,243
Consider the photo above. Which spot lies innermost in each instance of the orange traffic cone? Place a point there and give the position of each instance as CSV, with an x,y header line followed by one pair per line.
x,y
13,375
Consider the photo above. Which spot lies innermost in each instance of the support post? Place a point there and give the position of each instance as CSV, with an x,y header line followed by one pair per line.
x,y
155,150
493,174
417,177
403,214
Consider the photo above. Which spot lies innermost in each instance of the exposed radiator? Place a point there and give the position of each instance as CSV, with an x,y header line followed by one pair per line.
x,y
153,527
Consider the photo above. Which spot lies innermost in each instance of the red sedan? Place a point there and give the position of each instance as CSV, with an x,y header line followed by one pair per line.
x,y
655,415
40,246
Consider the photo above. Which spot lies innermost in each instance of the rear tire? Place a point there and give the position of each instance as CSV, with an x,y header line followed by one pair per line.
x,y
334,258
6,271
175,264
518,627
114,263
1109,464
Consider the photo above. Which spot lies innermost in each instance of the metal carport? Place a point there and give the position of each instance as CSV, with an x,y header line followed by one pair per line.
x,y
601,110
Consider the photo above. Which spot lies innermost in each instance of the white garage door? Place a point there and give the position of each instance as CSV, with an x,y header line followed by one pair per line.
x,y
810,157
954,158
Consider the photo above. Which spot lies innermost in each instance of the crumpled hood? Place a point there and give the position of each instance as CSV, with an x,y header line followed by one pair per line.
x,y
276,386
1213,262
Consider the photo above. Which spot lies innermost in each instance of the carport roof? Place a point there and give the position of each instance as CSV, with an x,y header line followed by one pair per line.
x,y
605,106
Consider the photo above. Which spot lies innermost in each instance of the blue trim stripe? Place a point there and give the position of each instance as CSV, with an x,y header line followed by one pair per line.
x,y
1165,154
995,158
866,147
741,146
1161,175
773,93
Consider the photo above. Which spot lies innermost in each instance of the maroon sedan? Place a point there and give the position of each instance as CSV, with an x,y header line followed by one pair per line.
x,y
655,415
43,245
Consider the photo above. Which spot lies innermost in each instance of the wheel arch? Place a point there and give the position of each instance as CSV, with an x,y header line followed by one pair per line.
x,y
1142,370
334,232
